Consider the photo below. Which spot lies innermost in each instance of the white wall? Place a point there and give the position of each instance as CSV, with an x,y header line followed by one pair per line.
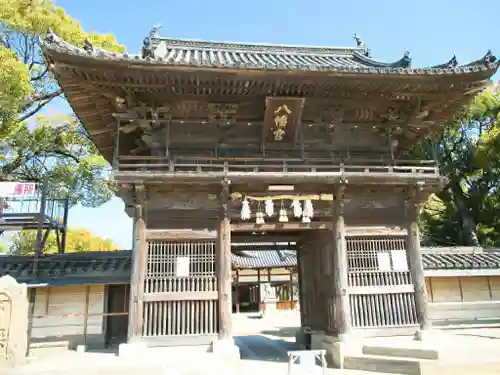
x,y
59,314
464,300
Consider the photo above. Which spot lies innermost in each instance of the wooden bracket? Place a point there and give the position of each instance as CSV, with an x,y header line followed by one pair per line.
x,y
413,204
140,193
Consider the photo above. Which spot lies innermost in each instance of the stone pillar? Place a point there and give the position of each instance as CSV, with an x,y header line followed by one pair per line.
x,y
139,256
13,323
339,260
415,264
224,346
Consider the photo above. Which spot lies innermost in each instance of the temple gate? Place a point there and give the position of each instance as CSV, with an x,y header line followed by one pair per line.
x,y
234,143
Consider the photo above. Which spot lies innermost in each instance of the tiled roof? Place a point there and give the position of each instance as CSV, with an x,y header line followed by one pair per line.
x,y
470,260
207,54
264,259
114,267
70,268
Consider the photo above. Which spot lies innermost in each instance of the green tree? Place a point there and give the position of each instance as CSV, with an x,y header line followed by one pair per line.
x,y
35,146
76,240
467,210
4,248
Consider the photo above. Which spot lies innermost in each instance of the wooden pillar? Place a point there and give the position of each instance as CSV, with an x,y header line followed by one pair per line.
x,y
339,260
223,259
300,281
307,273
139,254
237,292
414,258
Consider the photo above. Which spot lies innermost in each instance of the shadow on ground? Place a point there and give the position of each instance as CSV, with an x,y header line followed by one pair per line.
x,y
263,348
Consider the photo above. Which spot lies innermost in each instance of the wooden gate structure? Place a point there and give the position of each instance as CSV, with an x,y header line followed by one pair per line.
x,y
248,141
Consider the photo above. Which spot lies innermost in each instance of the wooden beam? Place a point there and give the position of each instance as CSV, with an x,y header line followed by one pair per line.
x,y
180,235
432,181
271,227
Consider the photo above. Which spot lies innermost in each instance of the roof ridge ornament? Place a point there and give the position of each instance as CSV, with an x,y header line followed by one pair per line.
x,y
360,44
153,33
489,58
87,46
147,49
359,41
450,64
52,38
406,60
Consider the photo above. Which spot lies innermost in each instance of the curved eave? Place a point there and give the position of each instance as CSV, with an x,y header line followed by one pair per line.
x,y
448,67
67,53
81,60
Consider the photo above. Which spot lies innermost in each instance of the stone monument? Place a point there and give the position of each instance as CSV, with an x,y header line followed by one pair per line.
x,y
269,299
13,322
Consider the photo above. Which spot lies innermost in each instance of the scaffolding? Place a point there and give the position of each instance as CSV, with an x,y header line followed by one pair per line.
x,y
26,206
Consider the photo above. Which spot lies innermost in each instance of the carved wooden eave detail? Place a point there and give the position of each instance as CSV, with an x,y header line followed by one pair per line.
x,y
282,118
222,112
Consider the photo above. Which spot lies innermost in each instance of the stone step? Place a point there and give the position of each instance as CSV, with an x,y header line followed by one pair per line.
x,y
384,364
415,351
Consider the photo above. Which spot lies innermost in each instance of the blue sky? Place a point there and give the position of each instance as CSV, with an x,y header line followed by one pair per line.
x,y
431,30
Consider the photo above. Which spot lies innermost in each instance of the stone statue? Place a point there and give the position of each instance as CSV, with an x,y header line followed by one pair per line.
x,y
269,293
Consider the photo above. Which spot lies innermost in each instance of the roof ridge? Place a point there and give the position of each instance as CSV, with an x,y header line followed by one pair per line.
x,y
200,54
255,46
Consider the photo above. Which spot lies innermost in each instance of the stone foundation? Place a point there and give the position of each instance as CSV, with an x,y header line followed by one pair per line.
x,y
225,349
337,348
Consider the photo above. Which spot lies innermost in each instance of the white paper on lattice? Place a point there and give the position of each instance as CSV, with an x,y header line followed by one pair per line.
x,y
384,261
182,267
399,260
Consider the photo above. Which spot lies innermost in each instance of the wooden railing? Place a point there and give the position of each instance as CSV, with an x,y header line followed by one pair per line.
x,y
249,165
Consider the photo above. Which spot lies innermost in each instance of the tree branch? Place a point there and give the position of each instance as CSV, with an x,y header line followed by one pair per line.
x,y
46,101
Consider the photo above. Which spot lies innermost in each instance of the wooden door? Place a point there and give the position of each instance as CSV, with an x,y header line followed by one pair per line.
x,y
180,293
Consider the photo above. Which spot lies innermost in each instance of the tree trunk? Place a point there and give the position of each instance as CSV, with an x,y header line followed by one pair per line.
x,y
469,230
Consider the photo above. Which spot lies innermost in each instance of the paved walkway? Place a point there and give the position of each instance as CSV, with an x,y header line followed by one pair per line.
x,y
263,344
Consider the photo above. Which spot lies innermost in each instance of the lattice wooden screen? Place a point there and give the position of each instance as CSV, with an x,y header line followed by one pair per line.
x,y
380,286
181,289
